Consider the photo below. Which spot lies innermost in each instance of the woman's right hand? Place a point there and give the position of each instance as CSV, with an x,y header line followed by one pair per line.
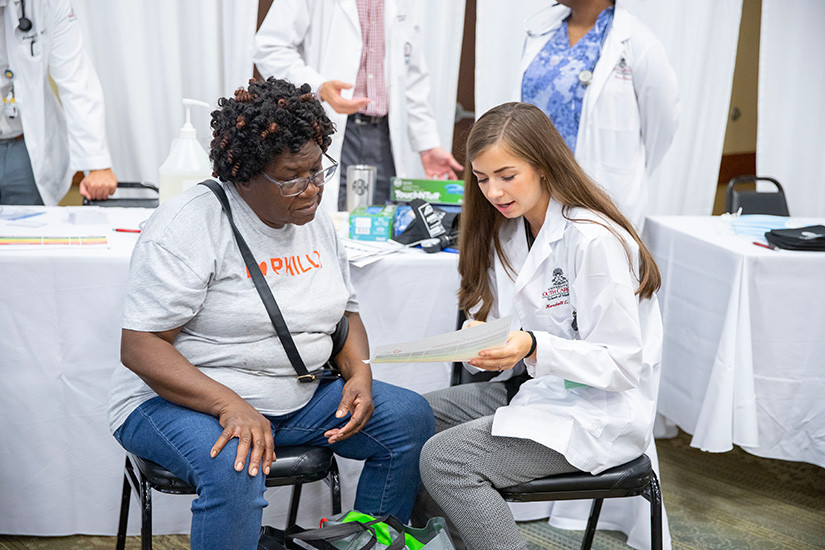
x,y
153,357
330,91
254,432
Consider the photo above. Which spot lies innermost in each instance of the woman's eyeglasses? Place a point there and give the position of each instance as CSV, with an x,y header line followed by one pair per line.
x,y
297,186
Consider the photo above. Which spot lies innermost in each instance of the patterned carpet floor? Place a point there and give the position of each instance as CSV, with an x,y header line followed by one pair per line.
x,y
723,501
726,501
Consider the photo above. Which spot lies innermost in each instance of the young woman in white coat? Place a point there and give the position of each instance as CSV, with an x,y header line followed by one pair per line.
x,y
544,244
604,80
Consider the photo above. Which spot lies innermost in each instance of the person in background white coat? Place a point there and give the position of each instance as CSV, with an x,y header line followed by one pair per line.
x,y
604,80
364,59
541,242
45,140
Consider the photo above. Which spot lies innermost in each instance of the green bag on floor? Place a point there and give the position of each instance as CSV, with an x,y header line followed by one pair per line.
x,y
356,531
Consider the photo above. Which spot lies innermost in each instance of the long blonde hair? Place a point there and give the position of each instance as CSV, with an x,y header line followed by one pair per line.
x,y
525,131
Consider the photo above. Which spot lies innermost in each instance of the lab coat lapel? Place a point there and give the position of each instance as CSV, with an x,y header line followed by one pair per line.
x,y
611,53
350,8
512,233
549,19
551,231
390,13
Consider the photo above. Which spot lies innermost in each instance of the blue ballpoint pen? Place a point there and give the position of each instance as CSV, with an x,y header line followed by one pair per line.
x,y
24,216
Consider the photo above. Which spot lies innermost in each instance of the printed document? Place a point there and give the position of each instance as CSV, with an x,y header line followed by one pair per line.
x,y
461,345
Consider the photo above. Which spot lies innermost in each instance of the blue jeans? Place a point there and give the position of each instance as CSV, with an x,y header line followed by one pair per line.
x,y
229,507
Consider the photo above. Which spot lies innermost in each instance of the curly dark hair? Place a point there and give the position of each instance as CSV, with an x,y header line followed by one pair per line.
x,y
267,118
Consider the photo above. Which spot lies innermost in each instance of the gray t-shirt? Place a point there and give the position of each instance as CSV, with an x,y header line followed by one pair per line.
x,y
187,271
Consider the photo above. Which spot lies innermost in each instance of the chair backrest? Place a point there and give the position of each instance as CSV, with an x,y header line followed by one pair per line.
x,y
755,202
460,375
139,194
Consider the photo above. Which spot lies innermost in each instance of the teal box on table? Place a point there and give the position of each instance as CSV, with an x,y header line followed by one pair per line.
x,y
372,223
432,191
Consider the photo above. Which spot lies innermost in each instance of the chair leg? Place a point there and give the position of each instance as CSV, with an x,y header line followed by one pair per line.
x,y
124,512
592,521
654,495
334,483
292,519
146,515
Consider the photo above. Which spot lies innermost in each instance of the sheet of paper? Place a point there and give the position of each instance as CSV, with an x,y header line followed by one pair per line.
x,y
460,345
361,253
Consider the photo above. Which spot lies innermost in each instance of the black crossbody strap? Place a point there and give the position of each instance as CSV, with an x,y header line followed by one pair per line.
x,y
263,288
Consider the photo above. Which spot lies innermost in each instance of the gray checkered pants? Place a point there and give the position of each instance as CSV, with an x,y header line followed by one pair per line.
x,y
463,463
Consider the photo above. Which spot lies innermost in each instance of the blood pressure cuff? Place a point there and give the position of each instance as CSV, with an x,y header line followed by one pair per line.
x,y
434,228
811,238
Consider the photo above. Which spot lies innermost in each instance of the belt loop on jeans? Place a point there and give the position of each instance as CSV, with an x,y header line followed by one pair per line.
x,y
360,118
11,140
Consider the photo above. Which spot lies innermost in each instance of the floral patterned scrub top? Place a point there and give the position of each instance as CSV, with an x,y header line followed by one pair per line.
x,y
551,82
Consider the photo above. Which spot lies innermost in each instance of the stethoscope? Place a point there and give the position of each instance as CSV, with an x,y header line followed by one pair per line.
x,y
585,75
24,23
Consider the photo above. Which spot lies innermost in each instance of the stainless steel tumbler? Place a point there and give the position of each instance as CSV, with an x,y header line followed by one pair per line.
x,y
360,185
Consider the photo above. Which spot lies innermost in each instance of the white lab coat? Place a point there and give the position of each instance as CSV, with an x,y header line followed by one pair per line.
x,y
60,140
582,267
630,109
314,41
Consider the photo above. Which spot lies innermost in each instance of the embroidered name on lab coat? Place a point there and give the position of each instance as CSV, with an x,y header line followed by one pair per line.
x,y
558,293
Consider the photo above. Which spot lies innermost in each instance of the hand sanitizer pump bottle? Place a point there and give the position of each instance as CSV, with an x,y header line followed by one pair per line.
x,y
187,163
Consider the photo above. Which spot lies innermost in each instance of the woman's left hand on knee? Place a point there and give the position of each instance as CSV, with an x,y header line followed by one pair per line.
x,y
357,401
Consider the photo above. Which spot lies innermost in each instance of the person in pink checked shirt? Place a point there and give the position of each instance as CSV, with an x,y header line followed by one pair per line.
x,y
364,59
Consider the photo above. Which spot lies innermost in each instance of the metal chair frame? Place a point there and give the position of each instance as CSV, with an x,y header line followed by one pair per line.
x,y
755,202
141,476
635,478
139,202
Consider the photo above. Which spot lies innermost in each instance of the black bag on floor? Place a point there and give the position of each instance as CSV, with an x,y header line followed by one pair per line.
x,y
271,539
356,531
811,238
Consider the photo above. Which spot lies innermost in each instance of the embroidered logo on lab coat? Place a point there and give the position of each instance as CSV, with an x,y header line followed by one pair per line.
x,y
558,293
622,71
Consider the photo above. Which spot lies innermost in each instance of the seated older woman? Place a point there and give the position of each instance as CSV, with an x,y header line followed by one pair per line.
x,y
207,390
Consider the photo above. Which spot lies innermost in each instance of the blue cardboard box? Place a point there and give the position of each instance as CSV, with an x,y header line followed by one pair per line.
x,y
372,223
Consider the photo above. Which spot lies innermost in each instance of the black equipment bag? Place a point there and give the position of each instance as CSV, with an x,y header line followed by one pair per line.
x,y
810,238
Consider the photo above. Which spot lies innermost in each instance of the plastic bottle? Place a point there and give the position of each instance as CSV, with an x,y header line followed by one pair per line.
x,y
187,163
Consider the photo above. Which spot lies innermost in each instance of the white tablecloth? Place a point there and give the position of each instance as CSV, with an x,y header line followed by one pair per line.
x,y
60,308
744,340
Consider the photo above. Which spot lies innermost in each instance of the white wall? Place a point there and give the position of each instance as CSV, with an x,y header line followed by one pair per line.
x,y
790,143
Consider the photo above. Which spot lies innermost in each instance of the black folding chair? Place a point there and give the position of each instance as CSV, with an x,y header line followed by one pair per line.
x,y
137,194
293,466
631,479
752,201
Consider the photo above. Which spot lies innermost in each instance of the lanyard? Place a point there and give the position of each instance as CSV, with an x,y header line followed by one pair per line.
x,y
9,104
